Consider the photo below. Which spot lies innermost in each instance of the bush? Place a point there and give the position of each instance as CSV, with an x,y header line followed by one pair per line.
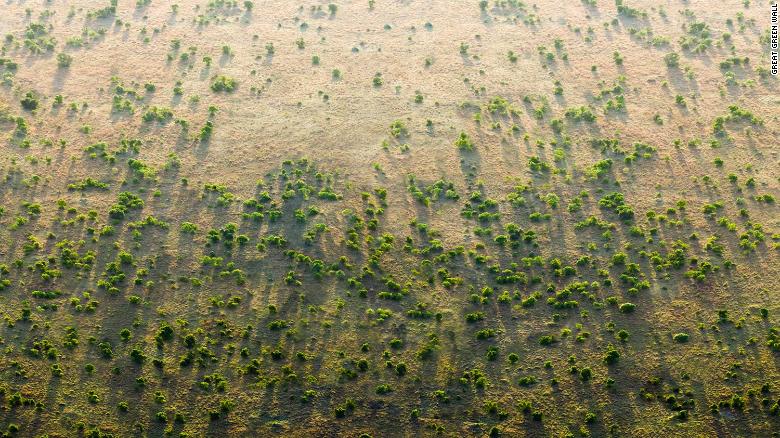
x,y
383,389
463,142
680,337
614,201
64,60
527,380
378,81
611,356
536,164
398,129
475,316
627,307
205,132
672,59
159,114
485,334
30,101
188,227
580,113
223,83
125,202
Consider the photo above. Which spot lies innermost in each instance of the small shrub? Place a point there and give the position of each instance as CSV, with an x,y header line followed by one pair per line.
x,y
223,83
672,59
464,143
627,307
64,60
30,101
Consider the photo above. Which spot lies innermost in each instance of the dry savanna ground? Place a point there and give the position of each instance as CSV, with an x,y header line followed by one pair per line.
x,y
373,218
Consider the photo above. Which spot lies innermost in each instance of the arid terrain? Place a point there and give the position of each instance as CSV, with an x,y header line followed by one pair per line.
x,y
381,218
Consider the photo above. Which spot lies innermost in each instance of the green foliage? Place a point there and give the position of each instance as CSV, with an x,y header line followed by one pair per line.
x,y
463,142
398,129
614,201
581,113
64,60
88,183
158,114
222,83
30,101
672,59
627,307
126,201
37,38
697,38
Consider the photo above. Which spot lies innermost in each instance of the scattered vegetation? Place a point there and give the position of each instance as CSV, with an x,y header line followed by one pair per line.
x,y
421,228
